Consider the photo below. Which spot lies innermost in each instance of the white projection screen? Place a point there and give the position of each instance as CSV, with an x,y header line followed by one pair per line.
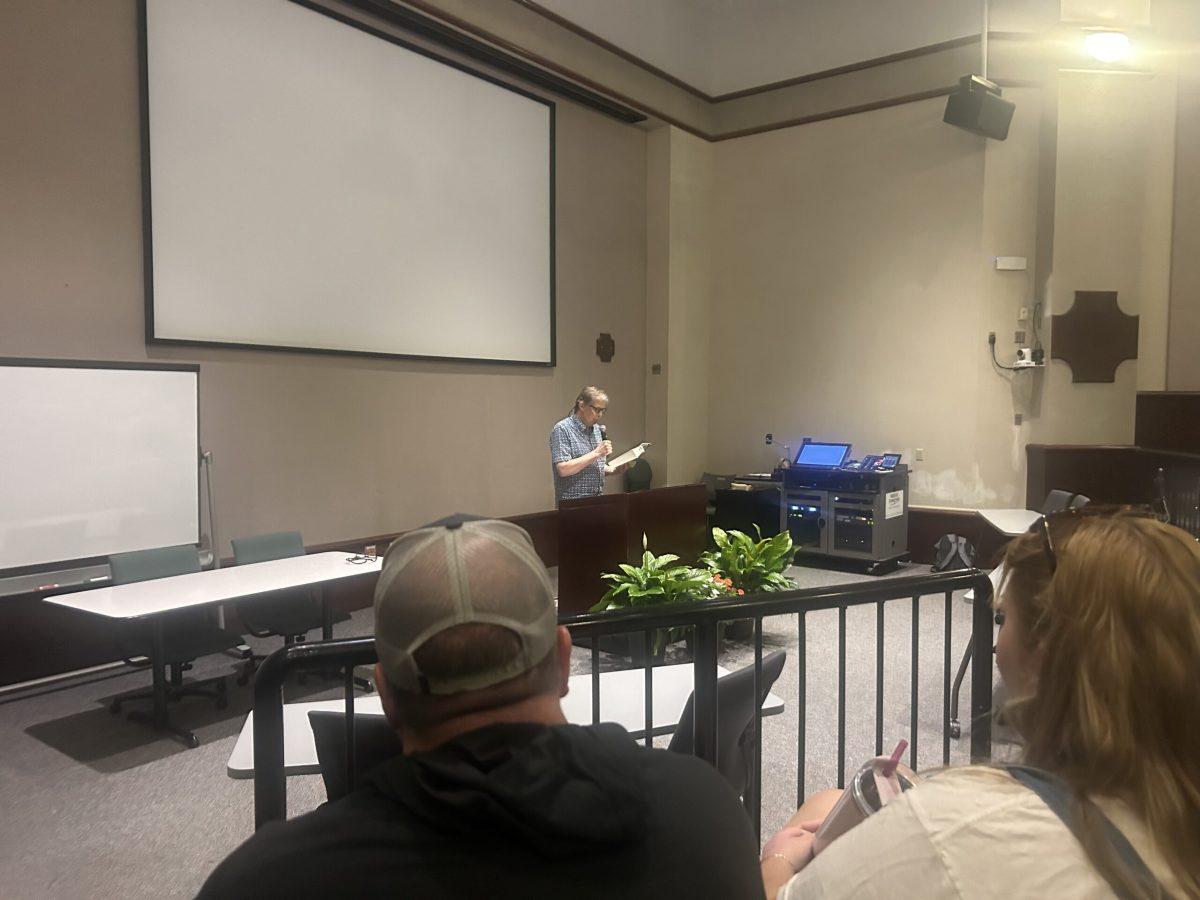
x,y
316,185
96,459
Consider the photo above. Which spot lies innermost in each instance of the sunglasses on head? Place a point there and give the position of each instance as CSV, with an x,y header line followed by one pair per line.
x,y
1056,527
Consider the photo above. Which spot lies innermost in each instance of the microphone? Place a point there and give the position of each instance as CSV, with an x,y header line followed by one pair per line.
x,y
603,433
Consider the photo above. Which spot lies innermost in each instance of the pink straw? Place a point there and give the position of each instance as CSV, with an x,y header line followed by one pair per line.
x,y
889,767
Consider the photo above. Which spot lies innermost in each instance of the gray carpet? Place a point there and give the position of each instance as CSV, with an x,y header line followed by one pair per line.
x,y
95,806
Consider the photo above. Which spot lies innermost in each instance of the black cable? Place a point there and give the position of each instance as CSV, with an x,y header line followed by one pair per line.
x,y
996,362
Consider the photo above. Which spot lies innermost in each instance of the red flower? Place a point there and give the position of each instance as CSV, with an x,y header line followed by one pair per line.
x,y
740,592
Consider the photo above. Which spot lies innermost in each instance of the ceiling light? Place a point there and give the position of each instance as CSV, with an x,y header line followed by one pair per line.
x,y
1107,46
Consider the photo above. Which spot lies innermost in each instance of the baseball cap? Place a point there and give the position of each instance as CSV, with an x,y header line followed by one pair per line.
x,y
457,571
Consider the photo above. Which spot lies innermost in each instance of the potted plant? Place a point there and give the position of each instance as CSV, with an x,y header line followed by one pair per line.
x,y
659,579
747,566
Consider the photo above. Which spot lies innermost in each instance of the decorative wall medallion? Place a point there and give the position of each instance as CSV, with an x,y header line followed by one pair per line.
x,y
605,347
1093,337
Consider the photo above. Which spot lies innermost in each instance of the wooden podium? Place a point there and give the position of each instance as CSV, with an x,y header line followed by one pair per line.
x,y
596,534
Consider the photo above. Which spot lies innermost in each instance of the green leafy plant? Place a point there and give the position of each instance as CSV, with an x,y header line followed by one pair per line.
x,y
659,579
750,566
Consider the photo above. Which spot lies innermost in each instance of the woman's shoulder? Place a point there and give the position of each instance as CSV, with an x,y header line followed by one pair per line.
x,y
955,835
979,797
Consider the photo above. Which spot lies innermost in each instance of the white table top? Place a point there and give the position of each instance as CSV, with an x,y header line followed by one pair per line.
x,y
622,700
158,595
1010,521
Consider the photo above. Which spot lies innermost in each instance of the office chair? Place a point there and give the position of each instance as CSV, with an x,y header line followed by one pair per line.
x,y
374,742
288,614
1056,501
638,476
187,634
735,719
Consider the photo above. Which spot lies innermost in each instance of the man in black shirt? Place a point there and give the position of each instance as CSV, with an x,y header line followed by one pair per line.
x,y
495,794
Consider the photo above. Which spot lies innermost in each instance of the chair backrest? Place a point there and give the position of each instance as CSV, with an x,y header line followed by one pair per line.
x,y
261,547
638,476
735,718
1057,501
374,742
159,562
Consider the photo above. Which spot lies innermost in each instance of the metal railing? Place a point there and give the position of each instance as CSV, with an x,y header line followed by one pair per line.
x,y
703,619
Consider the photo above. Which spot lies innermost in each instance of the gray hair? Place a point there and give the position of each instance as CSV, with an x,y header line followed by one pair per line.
x,y
587,395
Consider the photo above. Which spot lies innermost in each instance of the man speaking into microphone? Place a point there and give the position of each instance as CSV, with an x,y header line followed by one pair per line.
x,y
579,446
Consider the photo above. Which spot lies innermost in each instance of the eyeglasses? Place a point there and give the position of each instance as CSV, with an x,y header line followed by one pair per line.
x,y
599,410
1056,527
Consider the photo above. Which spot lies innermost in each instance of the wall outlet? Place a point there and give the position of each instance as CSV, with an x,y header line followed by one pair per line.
x,y
919,454
1023,314
1019,336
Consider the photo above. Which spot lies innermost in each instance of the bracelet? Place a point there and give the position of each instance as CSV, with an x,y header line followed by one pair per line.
x,y
785,858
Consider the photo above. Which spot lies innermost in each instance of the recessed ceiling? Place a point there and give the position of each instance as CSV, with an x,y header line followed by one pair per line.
x,y
723,46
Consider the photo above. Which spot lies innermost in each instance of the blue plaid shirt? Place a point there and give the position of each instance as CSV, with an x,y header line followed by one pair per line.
x,y
571,439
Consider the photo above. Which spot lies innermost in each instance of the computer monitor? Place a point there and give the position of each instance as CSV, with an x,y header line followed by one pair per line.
x,y
829,456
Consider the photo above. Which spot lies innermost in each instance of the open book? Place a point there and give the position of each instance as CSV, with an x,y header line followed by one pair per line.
x,y
628,456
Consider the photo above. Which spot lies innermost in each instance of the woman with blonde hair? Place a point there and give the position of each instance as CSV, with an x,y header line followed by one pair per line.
x,y
1099,646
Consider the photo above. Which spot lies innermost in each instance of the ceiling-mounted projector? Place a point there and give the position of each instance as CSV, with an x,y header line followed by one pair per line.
x,y
976,106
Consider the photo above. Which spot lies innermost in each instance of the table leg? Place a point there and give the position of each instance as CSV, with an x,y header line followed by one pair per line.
x,y
158,666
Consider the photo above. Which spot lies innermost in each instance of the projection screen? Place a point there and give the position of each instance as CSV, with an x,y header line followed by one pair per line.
x,y
97,458
313,184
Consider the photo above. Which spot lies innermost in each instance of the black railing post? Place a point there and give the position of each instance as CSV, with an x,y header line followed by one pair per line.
x,y
915,723
270,788
946,679
753,796
648,696
981,671
351,749
705,690
841,698
879,678
801,703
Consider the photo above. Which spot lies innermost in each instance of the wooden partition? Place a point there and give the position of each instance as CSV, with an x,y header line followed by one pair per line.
x,y
597,534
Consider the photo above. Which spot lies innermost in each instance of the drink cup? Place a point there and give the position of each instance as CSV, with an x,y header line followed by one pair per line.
x,y
868,792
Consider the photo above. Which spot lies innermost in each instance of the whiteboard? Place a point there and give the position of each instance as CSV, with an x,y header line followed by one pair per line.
x,y
96,458
315,185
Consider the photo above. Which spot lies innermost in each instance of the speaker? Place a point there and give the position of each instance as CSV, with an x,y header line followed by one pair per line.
x,y
976,105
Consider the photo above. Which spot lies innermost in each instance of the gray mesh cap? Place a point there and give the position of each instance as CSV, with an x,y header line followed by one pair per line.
x,y
468,571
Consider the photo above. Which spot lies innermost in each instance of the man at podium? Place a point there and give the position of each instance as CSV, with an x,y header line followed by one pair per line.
x,y
578,448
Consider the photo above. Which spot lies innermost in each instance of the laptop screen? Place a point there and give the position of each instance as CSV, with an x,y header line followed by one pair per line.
x,y
829,455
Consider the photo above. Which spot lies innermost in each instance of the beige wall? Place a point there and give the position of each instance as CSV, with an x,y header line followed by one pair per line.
x,y
847,295
679,284
688,383
1183,358
337,447
1112,231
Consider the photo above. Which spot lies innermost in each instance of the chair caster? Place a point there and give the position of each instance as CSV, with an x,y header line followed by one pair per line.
x,y
955,729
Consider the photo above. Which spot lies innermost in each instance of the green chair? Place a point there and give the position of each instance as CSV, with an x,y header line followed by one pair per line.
x,y
289,614
171,639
